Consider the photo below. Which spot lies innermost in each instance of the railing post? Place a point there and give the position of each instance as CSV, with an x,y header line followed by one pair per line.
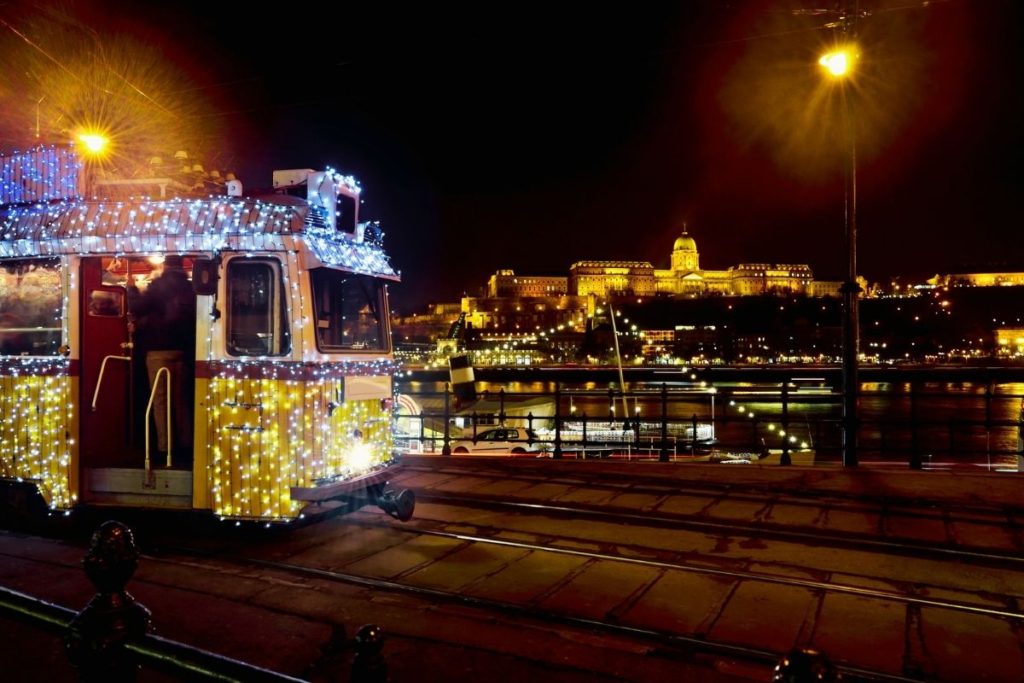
x,y
785,459
915,450
97,636
988,422
529,428
663,454
474,426
611,407
501,407
558,421
584,434
369,666
693,436
446,448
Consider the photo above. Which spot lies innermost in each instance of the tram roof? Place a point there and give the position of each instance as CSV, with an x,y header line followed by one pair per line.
x,y
181,226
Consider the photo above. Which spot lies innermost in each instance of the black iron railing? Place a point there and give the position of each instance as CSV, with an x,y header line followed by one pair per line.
x,y
920,426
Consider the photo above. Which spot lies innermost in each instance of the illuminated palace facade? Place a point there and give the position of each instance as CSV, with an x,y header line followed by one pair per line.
x,y
524,303
685,278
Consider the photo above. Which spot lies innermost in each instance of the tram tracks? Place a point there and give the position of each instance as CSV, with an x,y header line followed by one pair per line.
x,y
958,525
663,643
630,617
732,528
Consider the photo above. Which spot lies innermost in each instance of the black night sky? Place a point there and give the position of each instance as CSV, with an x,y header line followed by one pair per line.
x,y
531,135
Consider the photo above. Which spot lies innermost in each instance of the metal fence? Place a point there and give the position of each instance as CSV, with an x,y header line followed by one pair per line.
x,y
917,425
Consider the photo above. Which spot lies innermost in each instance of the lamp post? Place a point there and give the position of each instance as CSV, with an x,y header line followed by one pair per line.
x,y
839,65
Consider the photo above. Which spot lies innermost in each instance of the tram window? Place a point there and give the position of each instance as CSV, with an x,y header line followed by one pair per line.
x,y
257,314
105,304
31,307
349,311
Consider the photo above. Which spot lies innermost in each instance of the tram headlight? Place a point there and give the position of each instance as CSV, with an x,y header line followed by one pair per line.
x,y
360,456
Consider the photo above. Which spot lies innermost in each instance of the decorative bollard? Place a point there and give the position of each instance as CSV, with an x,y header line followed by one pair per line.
x,y
369,665
97,636
805,665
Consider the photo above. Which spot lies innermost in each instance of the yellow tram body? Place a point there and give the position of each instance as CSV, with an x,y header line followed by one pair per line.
x,y
293,387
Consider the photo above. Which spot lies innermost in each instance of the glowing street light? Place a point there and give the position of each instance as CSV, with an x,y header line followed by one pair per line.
x,y
838,62
94,143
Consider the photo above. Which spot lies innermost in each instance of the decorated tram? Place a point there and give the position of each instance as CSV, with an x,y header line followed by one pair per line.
x,y
288,391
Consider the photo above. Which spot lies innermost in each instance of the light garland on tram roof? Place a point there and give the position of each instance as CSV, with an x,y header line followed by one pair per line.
x,y
180,226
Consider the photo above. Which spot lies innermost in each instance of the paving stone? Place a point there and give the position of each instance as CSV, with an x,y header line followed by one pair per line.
x,y
600,588
916,528
764,615
442,512
285,642
402,558
971,647
586,495
852,521
424,480
746,511
502,487
861,631
635,501
795,515
543,492
338,551
980,535
228,583
528,578
684,505
465,566
461,484
680,602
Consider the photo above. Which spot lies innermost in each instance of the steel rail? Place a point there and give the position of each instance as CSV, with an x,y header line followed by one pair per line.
x,y
736,491
841,539
758,655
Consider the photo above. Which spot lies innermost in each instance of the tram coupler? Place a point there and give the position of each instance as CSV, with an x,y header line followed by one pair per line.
x,y
399,505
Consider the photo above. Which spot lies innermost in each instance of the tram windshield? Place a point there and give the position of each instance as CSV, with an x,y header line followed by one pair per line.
x,y
350,311
30,307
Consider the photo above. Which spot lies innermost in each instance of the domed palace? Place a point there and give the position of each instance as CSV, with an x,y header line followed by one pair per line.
x,y
685,277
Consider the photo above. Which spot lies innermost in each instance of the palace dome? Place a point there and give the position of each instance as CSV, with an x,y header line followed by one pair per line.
x,y
685,243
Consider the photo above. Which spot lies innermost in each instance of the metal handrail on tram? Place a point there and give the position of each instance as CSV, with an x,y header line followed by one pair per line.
x,y
99,380
149,409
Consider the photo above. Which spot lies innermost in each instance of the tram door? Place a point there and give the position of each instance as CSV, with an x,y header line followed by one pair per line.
x,y
106,414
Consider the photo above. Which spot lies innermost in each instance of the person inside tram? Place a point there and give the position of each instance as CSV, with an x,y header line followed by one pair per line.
x,y
163,325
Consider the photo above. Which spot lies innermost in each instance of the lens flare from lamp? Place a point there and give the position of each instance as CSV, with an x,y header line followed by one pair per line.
x,y
837,63
94,143
360,457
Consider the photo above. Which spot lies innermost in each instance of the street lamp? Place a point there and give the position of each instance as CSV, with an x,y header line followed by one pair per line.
x,y
94,143
94,146
839,64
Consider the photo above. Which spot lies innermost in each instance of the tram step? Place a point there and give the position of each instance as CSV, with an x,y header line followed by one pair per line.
x,y
129,486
